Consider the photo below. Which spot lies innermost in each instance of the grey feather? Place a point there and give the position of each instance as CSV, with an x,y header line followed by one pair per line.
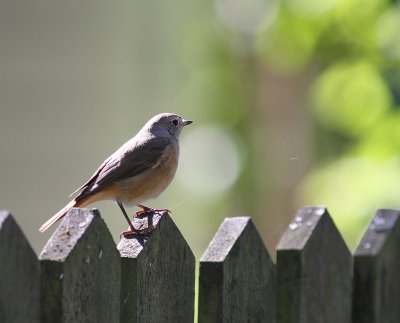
x,y
125,165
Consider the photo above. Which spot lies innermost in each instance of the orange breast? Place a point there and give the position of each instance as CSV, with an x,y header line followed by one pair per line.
x,y
151,182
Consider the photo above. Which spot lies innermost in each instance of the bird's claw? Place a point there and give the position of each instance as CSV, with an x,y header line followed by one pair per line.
x,y
136,232
146,211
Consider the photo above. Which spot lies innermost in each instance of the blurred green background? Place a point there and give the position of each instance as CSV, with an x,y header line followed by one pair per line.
x,y
295,103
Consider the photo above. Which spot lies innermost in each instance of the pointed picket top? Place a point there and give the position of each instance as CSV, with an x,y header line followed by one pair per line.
x,y
132,245
314,269
68,233
19,301
301,228
80,271
225,238
382,226
376,270
157,273
237,277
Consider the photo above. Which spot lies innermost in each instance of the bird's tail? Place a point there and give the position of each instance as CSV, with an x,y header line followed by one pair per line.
x,y
60,214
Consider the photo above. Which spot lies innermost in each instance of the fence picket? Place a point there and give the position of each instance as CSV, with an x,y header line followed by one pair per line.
x,y
19,274
376,271
237,276
157,274
81,276
314,271
80,271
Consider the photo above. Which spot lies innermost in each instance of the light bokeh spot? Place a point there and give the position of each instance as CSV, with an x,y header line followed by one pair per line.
x,y
351,97
210,161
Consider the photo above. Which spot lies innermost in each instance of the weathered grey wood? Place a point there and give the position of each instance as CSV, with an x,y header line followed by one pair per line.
x,y
80,271
314,271
237,276
19,274
377,271
157,274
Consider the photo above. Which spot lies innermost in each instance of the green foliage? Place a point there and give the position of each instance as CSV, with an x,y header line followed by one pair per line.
x,y
351,97
352,49
313,93
289,44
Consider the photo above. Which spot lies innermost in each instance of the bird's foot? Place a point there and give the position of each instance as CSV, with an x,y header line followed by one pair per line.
x,y
147,211
136,232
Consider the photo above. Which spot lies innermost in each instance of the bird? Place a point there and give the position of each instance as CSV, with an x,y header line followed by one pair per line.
x,y
139,170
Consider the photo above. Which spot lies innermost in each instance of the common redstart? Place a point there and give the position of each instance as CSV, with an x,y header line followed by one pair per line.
x,y
139,170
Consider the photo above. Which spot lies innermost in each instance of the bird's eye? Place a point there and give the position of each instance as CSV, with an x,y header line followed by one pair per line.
x,y
175,122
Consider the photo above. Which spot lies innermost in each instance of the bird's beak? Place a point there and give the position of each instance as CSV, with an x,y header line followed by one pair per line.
x,y
186,122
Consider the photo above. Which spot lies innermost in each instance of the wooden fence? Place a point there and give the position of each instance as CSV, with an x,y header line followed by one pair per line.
x,y
81,276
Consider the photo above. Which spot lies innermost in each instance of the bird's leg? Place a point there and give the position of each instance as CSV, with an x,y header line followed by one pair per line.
x,y
132,230
147,211
126,217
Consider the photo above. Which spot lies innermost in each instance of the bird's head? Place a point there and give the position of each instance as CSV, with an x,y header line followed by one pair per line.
x,y
166,124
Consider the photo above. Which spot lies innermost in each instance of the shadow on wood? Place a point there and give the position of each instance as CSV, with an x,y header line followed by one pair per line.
x,y
157,274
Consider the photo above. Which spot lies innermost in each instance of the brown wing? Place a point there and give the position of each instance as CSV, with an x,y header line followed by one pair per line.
x,y
117,168
92,178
